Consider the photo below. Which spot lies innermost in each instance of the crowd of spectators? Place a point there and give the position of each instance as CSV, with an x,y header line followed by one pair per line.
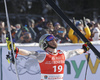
x,y
32,31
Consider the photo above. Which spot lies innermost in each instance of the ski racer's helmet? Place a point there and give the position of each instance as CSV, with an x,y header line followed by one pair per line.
x,y
44,39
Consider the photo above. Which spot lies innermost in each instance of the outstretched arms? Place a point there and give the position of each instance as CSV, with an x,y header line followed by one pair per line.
x,y
33,54
24,52
84,49
17,50
75,52
79,51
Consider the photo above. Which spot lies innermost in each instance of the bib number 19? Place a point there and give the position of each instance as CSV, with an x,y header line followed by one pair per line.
x,y
57,69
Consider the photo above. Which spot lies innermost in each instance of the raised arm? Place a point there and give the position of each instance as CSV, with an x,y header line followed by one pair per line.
x,y
75,52
79,51
33,54
24,52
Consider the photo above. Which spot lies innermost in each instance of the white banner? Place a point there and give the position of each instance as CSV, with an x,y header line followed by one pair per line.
x,y
75,67
0,63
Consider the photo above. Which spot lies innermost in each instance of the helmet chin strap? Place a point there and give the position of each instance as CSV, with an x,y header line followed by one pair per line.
x,y
51,46
52,50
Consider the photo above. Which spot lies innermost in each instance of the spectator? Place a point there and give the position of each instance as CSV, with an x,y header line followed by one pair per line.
x,y
39,28
87,20
13,32
2,32
39,22
56,27
18,26
84,30
21,30
96,32
50,26
91,27
2,24
25,36
31,25
62,37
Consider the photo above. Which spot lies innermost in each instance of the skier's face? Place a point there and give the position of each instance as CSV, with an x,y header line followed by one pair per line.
x,y
53,43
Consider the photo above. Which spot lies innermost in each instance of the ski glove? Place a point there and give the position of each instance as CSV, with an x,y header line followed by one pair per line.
x,y
16,50
85,47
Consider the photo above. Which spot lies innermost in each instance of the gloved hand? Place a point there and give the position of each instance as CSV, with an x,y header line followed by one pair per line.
x,y
16,50
9,44
85,47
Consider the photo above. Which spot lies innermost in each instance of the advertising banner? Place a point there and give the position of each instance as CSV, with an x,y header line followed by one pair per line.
x,y
0,63
75,67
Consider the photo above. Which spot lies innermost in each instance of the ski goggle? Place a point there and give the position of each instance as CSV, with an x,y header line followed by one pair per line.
x,y
60,31
50,38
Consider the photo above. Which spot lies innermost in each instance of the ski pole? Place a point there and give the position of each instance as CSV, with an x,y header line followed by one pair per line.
x,y
12,48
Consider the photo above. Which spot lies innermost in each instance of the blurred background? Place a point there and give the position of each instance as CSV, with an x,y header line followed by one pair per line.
x,y
23,9
30,19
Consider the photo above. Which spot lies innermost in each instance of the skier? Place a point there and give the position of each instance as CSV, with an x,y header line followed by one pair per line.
x,y
51,61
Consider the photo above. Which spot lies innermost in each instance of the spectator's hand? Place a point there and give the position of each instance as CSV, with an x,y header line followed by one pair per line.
x,y
85,47
4,32
2,24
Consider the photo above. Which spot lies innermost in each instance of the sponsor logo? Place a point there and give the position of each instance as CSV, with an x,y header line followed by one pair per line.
x,y
45,76
25,65
55,62
93,66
